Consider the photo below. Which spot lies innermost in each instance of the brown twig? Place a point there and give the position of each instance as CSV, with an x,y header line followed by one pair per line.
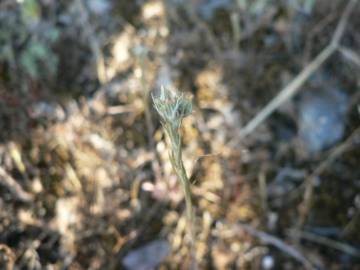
x,y
291,89
278,243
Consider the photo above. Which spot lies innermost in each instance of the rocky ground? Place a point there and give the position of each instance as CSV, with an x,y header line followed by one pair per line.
x,y
85,177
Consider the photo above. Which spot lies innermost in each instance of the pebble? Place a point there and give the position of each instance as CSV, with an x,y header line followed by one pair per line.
x,y
267,262
147,257
322,114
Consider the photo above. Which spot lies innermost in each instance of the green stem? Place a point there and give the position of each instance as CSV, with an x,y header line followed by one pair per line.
x,y
187,191
178,166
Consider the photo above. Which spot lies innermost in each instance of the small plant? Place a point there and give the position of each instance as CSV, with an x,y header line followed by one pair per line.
x,y
172,108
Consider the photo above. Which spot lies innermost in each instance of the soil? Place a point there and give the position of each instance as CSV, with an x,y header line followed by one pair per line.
x,y
85,177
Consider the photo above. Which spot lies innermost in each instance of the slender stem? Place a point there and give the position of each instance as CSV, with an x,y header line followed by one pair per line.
x,y
178,166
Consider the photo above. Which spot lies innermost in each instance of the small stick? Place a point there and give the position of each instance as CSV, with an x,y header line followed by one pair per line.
x,y
327,242
291,89
278,243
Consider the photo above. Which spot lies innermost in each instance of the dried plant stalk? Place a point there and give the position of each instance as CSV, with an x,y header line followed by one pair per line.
x,y
172,108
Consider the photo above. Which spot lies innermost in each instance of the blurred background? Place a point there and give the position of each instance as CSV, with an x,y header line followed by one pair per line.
x,y
85,178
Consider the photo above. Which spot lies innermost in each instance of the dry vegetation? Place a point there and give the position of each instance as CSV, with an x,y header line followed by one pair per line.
x,y
85,176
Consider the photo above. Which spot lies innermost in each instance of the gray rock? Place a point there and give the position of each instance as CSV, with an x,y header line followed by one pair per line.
x,y
148,256
47,111
322,118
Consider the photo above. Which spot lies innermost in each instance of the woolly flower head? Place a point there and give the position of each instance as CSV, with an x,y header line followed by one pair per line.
x,y
172,106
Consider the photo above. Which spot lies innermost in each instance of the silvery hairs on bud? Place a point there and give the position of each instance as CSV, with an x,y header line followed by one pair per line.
x,y
172,106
